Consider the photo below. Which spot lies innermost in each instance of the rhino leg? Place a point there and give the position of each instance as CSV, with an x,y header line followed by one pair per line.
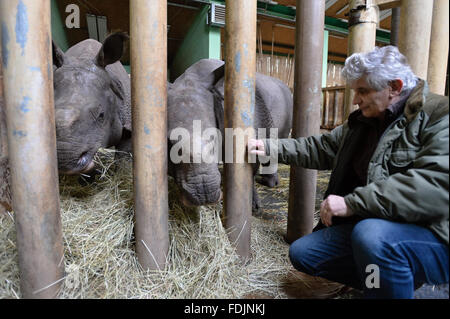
x,y
255,202
124,149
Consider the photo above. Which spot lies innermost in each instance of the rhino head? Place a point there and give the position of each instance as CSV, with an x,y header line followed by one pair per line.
x,y
89,97
191,101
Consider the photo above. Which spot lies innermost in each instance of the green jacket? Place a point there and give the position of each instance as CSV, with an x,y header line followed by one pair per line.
x,y
408,174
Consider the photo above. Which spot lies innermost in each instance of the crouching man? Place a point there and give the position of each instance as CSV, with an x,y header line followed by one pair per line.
x,y
387,204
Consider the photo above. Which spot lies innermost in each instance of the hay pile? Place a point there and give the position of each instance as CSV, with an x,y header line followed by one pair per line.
x,y
100,259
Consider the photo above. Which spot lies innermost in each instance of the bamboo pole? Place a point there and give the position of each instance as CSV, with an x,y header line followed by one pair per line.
x,y
437,62
28,91
306,120
362,34
240,35
148,21
415,32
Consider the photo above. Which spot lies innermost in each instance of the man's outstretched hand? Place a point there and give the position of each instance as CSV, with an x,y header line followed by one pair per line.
x,y
256,147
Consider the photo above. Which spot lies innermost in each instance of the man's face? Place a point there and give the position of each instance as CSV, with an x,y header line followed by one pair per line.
x,y
372,103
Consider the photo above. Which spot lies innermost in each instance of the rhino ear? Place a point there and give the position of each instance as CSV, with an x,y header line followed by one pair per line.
x,y
58,55
112,49
217,75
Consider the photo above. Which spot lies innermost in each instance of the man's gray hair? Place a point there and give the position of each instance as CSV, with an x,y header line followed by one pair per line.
x,y
380,66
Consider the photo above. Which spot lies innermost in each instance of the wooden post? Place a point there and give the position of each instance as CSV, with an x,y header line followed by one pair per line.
x,y
414,34
148,21
395,26
437,62
240,71
28,92
362,34
306,121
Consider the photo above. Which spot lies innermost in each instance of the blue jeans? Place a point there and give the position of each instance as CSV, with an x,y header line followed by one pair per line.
x,y
384,259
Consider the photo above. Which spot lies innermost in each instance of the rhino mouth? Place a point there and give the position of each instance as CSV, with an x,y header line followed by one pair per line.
x,y
84,165
190,201
200,190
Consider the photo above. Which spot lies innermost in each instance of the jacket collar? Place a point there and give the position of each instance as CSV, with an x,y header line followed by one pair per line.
x,y
416,100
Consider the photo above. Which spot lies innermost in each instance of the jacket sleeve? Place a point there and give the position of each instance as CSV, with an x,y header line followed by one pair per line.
x,y
314,152
420,194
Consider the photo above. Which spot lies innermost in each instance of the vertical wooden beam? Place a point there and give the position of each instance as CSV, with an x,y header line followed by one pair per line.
x,y
395,26
148,21
362,34
307,100
437,63
28,85
414,34
240,72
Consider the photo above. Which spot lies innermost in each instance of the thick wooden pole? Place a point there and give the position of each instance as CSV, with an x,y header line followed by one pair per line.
x,y
437,63
307,100
414,34
148,21
395,26
28,91
240,70
362,35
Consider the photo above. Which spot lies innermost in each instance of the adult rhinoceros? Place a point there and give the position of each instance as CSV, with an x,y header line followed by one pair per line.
x,y
197,95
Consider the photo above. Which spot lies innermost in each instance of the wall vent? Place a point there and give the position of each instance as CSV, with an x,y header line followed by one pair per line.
x,y
216,16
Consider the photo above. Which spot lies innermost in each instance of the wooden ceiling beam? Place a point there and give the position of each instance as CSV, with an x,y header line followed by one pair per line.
x,y
387,4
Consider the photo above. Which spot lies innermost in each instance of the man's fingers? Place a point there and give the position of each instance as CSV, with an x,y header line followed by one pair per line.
x,y
257,152
325,214
256,147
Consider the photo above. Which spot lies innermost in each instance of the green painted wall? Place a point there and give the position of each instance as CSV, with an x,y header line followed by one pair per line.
x,y
201,42
58,28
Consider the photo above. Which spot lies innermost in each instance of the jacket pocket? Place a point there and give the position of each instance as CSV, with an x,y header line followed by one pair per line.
x,y
401,160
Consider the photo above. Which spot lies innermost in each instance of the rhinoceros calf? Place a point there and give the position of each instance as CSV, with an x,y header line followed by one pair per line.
x,y
197,95
92,102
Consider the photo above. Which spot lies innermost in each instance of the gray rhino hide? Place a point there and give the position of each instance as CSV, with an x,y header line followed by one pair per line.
x,y
198,95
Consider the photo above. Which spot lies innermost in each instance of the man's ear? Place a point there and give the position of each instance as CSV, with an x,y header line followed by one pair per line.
x,y
396,87
58,55
112,49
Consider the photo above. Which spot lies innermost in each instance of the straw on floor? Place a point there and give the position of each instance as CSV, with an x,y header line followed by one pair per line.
x,y
100,259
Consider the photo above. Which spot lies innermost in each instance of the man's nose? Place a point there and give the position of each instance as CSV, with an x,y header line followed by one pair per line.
x,y
356,99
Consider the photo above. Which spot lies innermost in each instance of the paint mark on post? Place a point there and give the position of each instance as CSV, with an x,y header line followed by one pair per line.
x,y
35,69
246,119
22,25
24,104
19,134
237,62
5,41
